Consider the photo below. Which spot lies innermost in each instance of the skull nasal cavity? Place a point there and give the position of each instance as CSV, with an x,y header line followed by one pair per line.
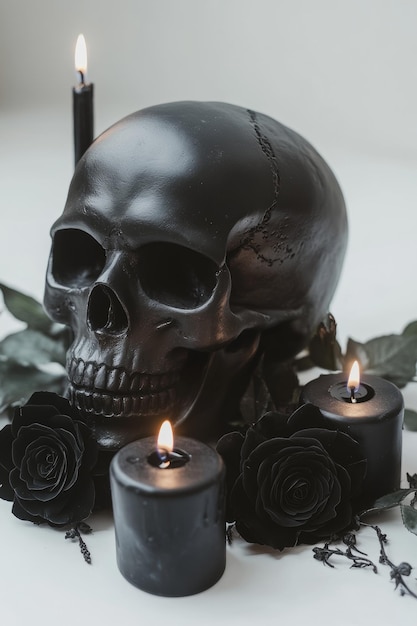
x,y
105,311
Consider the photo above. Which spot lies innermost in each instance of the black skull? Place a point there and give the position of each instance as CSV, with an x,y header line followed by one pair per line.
x,y
191,229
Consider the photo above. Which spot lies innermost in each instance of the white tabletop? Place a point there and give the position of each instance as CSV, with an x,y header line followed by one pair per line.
x,y
44,575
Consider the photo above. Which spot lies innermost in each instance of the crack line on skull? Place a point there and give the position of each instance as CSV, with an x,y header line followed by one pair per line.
x,y
267,149
248,240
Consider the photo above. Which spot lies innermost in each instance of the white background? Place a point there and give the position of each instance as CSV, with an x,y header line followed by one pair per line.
x,y
343,74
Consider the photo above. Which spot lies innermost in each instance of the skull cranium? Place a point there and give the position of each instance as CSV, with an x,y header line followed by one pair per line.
x,y
190,230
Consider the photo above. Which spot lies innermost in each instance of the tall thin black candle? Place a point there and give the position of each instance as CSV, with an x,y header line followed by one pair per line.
x,y
82,102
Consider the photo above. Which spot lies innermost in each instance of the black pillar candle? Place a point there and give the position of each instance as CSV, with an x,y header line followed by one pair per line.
x,y
82,104
373,415
169,516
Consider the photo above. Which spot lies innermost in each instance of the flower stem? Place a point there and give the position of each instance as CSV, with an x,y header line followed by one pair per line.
x,y
324,555
397,572
74,534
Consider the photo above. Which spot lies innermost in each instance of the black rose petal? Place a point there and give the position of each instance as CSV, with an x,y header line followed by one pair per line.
x,y
49,465
36,473
23,514
63,510
343,520
6,463
344,450
60,404
254,437
45,416
49,456
305,417
306,460
273,424
296,481
256,530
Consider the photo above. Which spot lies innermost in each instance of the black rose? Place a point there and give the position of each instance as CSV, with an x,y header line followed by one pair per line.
x,y
47,456
289,483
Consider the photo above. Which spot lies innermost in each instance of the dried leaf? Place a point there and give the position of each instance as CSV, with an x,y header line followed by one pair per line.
x,y
409,516
32,348
324,348
26,309
392,357
410,419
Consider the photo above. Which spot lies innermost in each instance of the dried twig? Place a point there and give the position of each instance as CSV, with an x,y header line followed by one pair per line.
x,y
75,534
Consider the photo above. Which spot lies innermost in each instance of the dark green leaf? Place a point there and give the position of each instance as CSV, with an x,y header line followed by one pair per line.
x,y
30,347
390,500
409,515
17,383
392,357
410,419
324,348
26,309
356,351
410,329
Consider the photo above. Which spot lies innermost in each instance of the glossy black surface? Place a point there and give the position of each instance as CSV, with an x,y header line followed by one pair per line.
x,y
195,235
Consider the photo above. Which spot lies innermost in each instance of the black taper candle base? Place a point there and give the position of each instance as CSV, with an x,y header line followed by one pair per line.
x,y
83,116
169,523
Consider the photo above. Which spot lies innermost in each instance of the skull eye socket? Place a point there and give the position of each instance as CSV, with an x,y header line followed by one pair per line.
x,y
77,258
176,276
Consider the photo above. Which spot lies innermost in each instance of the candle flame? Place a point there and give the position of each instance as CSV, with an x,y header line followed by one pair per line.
x,y
354,377
166,437
81,55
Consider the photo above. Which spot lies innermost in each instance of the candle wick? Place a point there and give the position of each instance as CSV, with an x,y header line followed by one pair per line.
x,y
352,395
165,461
82,77
163,454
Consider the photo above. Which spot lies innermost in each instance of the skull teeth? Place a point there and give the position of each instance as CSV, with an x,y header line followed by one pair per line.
x,y
114,392
116,380
114,406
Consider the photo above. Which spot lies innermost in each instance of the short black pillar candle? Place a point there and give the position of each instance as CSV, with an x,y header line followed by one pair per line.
x,y
169,518
374,419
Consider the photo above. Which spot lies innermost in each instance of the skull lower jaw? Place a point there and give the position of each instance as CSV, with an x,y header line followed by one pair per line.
x,y
121,406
